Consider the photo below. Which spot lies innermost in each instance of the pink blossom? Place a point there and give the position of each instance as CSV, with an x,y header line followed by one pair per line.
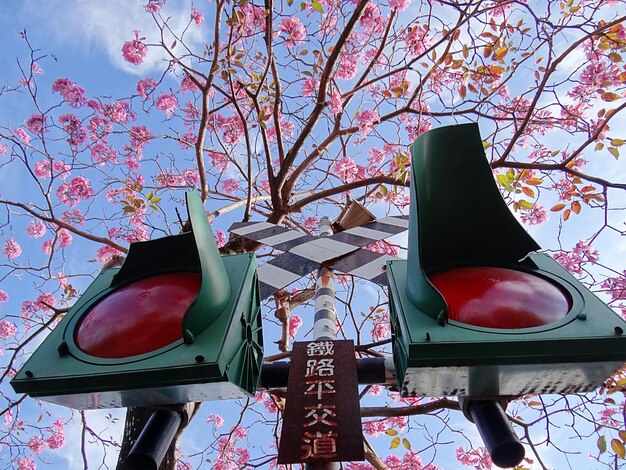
x,y
616,287
347,67
347,170
45,301
366,120
196,16
230,186
265,185
309,86
64,237
311,223
119,112
3,149
417,126
187,84
380,331
400,84
286,129
535,216
169,179
7,329
371,20
417,39
166,103
374,428
218,160
26,464
70,91
78,189
242,457
100,126
253,20
35,69
106,252
8,417
383,247
336,105
187,140
37,444
102,153
153,6
74,217
358,466
22,135
584,251
56,439
231,128
46,247
135,51
73,126
295,322
294,30
216,419
146,86
12,249
36,123
4,297
477,458
191,177
139,137
399,5
36,229
220,238
239,432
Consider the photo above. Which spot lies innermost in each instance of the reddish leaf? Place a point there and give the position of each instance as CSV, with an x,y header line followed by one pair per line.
x,y
566,214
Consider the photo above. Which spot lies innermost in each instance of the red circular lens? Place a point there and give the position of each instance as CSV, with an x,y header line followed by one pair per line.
x,y
500,298
138,318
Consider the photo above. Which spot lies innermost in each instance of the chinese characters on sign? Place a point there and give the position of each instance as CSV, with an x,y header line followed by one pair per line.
x,y
322,420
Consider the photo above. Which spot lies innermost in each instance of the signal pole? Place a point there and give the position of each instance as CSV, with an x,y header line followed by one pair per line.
x,y
325,320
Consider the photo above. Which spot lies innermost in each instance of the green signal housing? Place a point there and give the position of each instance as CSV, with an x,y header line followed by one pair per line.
x,y
176,323
475,310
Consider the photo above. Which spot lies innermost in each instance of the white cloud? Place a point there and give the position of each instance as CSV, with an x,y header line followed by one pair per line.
x,y
105,26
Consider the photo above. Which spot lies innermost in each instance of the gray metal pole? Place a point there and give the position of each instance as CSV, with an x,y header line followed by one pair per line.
x,y
325,324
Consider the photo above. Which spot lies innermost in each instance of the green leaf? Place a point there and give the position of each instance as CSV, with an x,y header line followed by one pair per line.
x,y
525,204
395,442
618,448
391,432
317,7
503,179
406,443
601,444
613,151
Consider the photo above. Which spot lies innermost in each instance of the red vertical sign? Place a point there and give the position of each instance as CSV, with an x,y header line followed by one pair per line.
x,y
322,421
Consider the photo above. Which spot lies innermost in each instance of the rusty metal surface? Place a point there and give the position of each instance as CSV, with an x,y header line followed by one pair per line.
x,y
322,421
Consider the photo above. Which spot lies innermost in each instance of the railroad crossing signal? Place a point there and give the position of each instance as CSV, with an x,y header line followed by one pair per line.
x,y
176,323
306,253
475,310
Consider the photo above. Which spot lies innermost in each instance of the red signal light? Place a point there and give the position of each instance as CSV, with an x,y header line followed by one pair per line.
x,y
500,298
138,318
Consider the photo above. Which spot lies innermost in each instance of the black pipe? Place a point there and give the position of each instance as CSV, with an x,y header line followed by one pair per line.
x,y
370,370
151,446
503,445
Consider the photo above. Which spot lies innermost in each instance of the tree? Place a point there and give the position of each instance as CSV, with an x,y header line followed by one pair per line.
x,y
284,112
